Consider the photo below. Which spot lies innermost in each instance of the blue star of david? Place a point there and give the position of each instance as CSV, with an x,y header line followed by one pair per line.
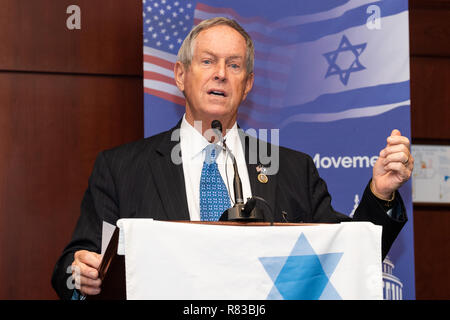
x,y
303,275
335,69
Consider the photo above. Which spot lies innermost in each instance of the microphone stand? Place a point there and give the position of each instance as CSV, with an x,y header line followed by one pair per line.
x,y
240,212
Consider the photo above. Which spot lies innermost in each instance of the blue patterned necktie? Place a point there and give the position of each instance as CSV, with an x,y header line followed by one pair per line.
x,y
214,198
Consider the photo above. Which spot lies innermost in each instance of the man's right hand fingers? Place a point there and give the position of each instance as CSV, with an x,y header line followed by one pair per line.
x,y
88,258
88,285
85,273
80,269
89,291
84,282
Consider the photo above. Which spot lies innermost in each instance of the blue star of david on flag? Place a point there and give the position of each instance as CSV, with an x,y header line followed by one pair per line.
x,y
303,275
348,63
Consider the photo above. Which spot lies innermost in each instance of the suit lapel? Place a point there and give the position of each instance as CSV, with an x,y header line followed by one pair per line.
x,y
263,190
169,177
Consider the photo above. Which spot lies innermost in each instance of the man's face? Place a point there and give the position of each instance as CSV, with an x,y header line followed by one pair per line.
x,y
216,82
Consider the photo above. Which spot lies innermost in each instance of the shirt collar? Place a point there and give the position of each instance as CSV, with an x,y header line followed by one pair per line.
x,y
195,142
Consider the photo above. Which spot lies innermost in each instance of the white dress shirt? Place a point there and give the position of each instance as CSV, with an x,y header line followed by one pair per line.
x,y
192,145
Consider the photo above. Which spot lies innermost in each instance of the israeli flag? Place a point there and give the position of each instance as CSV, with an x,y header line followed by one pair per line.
x,y
171,260
360,71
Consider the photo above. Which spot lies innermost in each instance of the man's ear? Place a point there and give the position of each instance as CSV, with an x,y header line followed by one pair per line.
x,y
248,84
179,73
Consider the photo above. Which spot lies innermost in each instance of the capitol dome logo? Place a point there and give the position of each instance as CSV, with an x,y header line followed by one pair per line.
x,y
392,286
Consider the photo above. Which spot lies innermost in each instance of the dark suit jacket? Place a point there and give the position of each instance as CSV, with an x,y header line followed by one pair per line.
x,y
139,180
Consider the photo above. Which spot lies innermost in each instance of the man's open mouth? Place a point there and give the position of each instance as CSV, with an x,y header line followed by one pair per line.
x,y
217,93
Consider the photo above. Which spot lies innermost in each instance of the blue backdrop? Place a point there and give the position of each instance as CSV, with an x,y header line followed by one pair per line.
x,y
332,75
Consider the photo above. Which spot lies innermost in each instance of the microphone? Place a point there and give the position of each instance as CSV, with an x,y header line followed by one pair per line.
x,y
216,125
240,211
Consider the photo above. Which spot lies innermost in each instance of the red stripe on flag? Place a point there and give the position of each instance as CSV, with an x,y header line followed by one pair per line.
x,y
157,76
231,12
160,62
164,95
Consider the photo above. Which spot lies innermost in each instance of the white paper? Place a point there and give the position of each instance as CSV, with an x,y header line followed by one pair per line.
x,y
107,232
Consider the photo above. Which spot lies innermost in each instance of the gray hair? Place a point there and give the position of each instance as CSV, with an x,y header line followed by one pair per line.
x,y
186,51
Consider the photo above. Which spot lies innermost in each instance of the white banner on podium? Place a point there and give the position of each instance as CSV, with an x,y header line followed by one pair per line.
x,y
169,260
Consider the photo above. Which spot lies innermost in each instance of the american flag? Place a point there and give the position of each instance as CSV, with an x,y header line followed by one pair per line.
x,y
167,23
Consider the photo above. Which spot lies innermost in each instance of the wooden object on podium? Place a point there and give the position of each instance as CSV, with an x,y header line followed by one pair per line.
x,y
112,267
112,272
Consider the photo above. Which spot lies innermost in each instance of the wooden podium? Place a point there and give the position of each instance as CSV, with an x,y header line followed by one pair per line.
x,y
112,267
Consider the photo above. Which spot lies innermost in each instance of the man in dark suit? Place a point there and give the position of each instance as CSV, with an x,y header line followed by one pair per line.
x,y
143,179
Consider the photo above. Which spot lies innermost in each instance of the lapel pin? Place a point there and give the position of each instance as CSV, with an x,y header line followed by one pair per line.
x,y
262,177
